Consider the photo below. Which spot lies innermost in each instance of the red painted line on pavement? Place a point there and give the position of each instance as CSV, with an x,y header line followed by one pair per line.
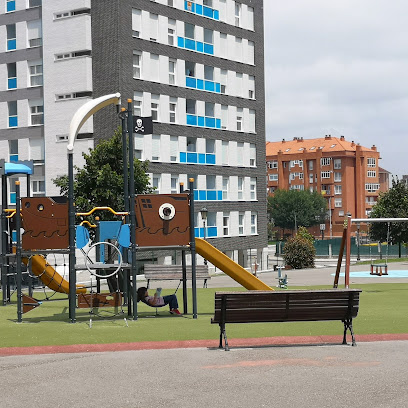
x,y
156,345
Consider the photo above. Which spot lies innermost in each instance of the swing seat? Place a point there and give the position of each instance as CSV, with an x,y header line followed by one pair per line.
x,y
379,269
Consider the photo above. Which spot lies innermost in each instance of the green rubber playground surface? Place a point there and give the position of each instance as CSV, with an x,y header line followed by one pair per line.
x,y
383,309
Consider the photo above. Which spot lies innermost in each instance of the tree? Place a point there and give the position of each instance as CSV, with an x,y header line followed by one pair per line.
x,y
391,204
299,251
100,182
293,208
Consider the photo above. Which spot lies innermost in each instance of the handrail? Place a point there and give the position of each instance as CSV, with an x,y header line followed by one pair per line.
x,y
103,208
88,223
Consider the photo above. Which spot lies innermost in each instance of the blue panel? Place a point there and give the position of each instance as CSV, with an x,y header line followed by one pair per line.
x,y
208,12
180,42
201,158
216,15
13,157
81,236
124,236
218,123
201,121
200,84
208,49
187,4
209,86
210,122
191,157
11,45
13,122
211,195
195,195
14,233
202,196
217,87
219,195
210,158
192,120
13,197
189,44
11,6
191,82
12,83
211,232
199,9
197,232
200,47
183,157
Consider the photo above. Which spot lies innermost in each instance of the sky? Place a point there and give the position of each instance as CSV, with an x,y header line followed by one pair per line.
x,y
340,68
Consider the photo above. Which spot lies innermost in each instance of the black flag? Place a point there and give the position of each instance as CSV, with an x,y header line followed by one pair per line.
x,y
142,125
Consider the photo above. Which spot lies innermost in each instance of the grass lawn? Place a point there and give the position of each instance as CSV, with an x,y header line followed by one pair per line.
x,y
383,309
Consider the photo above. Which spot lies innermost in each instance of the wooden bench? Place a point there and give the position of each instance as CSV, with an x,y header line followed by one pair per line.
x,y
174,272
288,306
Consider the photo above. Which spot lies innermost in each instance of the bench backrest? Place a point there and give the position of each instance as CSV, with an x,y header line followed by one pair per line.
x,y
153,271
276,306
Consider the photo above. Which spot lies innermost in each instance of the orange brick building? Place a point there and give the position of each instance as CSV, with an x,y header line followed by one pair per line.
x,y
346,173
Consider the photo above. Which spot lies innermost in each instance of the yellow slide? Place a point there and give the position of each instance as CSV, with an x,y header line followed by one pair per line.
x,y
227,265
49,276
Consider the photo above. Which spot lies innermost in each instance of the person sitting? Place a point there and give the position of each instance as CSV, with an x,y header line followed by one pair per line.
x,y
158,301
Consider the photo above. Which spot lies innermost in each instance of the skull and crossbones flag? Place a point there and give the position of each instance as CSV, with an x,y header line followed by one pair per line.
x,y
142,125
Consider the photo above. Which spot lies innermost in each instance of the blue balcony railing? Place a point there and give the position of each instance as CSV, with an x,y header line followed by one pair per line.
x,y
13,157
11,44
13,198
211,232
201,10
12,83
11,6
197,158
193,45
13,121
203,121
203,84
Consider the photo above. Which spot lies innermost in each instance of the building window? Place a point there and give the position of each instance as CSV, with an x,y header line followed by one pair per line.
x,y
225,159
338,202
34,33
251,120
240,154
239,119
155,107
136,22
208,73
137,103
155,147
325,174
13,150
223,81
36,113
190,69
337,189
241,220
371,173
171,31
77,12
190,106
225,224
341,213
11,37
240,188
337,176
371,162
172,110
34,3
337,164
189,31
73,54
372,187
273,164
154,26
209,109
325,161
191,144
174,184
208,36
12,114
273,177
172,71
156,179
10,6
254,217
237,14
74,95
12,75
252,188
174,148
251,86
38,187
251,21
252,155
137,63
36,73
139,141
224,117
225,188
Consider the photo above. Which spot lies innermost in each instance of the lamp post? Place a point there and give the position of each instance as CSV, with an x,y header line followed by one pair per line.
x,y
204,213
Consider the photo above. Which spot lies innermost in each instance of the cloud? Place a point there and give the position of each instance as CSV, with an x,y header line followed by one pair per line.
x,y
339,67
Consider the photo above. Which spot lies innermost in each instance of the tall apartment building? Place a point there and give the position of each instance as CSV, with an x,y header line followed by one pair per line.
x,y
196,67
346,173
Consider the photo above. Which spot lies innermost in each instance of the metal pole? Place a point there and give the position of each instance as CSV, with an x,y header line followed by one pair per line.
x,y
330,219
184,268
71,224
193,250
4,266
348,252
358,241
132,208
18,255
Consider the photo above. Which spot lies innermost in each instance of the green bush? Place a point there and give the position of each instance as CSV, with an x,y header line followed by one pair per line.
x,y
299,252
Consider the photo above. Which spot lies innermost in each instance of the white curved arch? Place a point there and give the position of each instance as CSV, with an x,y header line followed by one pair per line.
x,y
85,112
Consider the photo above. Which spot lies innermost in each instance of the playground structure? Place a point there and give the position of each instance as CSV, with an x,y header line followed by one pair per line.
x,y
149,222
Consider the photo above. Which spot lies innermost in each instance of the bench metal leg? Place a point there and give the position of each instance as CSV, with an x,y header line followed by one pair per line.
x,y
348,324
223,334
205,283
